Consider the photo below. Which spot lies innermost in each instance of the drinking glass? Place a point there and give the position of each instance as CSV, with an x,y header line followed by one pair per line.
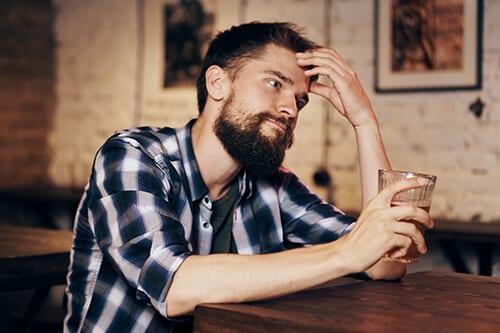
x,y
419,196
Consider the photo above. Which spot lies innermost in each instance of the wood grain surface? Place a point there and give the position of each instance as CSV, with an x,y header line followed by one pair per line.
x,y
421,302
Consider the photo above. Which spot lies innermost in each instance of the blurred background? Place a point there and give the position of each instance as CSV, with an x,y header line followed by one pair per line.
x,y
73,72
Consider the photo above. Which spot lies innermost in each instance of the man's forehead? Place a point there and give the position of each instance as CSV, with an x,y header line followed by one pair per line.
x,y
283,62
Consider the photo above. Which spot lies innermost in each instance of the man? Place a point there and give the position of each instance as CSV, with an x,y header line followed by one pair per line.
x,y
172,218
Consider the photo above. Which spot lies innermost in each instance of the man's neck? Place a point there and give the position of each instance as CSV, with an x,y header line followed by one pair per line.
x,y
217,167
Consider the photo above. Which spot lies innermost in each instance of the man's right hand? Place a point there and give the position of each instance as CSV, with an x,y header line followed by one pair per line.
x,y
381,229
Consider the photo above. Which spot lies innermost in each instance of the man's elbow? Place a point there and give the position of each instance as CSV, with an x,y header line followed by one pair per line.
x,y
178,306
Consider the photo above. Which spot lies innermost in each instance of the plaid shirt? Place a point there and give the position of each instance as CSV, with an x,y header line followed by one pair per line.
x,y
146,209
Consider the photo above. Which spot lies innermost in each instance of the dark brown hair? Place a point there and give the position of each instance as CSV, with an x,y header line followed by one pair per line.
x,y
231,48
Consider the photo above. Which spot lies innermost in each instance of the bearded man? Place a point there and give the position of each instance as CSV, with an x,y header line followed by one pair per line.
x,y
172,218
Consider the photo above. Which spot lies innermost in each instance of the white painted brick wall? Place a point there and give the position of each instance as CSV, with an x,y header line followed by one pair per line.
x,y
96,63
428,132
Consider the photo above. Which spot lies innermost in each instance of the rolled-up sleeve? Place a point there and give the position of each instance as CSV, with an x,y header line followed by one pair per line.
x,y
135,225
306,218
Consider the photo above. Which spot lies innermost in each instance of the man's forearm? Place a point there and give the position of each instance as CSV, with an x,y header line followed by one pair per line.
x,y
226,278
372,156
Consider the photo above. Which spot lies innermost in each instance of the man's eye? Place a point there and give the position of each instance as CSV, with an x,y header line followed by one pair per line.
x,y
274,83
300,104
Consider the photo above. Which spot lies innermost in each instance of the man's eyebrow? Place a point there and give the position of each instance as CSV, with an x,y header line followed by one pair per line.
x,y
304,97
281,76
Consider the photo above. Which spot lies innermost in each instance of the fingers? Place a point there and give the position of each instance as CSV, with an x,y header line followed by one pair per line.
x,y
397,237
394,228
408,221
400,248
411,234
382,200
324,58
382,233
325,62
384,197
344,91
404,213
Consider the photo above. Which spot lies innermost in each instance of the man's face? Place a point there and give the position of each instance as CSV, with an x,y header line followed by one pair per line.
x,y
257,121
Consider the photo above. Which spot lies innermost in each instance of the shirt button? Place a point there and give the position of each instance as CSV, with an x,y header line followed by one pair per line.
x,y
206,225
206,202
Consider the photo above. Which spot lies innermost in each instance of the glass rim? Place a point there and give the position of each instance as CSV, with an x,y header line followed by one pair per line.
x,y
409,174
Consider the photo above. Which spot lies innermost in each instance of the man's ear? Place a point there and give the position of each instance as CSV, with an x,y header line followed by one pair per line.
x,y
217,82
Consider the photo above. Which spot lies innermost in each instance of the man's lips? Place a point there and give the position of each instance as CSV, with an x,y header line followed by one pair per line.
x,y
277,123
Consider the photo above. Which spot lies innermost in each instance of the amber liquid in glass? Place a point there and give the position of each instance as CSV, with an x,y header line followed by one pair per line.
x,y
412,255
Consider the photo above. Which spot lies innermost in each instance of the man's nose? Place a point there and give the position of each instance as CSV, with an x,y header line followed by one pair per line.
x,y
288,106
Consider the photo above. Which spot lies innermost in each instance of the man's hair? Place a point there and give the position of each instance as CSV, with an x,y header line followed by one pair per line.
x,y
231,48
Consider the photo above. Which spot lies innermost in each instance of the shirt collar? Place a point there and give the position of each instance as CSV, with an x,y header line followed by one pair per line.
x,y
197,187
192,175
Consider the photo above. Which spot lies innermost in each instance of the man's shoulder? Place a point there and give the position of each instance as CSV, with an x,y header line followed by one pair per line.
x,y
144,134
149,139
166,139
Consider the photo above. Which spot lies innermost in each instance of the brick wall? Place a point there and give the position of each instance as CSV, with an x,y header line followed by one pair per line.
x,y
26,90
430,132
109,77
96,81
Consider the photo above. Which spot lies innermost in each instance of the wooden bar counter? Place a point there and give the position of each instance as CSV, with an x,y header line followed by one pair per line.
x,y
421,302
32,258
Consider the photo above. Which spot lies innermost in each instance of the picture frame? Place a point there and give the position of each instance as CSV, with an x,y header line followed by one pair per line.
x,y
188,28
428,45
158,101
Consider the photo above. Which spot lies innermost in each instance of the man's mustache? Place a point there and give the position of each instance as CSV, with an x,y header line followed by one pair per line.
x,y
287,138
282,120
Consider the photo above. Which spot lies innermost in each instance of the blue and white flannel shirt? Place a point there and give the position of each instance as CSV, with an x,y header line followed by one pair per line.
x,y
146,208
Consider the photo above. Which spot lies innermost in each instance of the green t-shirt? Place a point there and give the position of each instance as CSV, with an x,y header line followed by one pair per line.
x,y
222,221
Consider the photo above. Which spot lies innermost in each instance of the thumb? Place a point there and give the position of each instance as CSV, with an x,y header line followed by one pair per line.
x,y
385,196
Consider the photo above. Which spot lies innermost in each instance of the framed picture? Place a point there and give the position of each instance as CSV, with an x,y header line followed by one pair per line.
x,y
188,30
427,45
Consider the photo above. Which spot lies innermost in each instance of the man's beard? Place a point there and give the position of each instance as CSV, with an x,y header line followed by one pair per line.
x,y
240,133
